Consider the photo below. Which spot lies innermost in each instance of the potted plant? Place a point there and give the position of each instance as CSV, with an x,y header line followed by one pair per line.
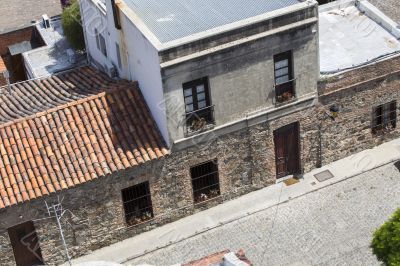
x,y
198,124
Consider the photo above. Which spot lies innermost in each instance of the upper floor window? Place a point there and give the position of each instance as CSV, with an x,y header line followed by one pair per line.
x,y
117,19
205,181
284,83
137,204
384,117
101,43
199,112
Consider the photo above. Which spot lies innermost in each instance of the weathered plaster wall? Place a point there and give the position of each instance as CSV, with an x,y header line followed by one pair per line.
x,y
242,78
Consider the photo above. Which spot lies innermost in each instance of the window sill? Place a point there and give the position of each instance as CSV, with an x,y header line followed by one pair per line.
x,y
139,224
207,127
196,204
279,104
382,132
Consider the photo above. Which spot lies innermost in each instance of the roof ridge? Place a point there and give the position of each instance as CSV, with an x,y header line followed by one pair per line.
x,y
44,78
74,103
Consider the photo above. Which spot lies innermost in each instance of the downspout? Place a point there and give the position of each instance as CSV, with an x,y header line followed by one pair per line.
x,y
319,162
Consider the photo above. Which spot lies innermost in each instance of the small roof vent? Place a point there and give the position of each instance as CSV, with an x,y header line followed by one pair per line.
x,y
46,21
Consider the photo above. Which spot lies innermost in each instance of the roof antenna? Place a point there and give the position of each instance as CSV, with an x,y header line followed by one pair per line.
x,y
6,75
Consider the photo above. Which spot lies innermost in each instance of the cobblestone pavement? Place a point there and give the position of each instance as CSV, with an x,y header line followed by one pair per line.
x,y
332,226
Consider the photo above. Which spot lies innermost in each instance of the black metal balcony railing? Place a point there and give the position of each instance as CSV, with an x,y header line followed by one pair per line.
x,y
199,120
285,92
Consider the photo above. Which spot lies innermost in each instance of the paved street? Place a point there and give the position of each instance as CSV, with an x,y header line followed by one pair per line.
x,y
331,226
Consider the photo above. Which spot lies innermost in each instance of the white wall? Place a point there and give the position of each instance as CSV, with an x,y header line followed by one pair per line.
x,y
144,66
93,18
139,58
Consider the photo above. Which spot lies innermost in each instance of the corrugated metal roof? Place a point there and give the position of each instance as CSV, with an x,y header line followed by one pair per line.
x,y
174,19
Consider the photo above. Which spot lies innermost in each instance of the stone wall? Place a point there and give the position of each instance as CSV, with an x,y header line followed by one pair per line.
x,y
351,132
6,257
246,162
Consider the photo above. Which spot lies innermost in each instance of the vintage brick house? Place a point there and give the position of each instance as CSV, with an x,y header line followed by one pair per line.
x,y
220,112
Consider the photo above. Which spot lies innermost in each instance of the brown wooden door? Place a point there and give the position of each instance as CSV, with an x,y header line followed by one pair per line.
x,y
287,150
25,245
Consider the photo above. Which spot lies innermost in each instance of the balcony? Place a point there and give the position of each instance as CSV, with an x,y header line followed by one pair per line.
x,y
199,120
285,92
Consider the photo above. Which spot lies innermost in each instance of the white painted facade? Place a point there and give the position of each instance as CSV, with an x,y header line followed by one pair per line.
x,y
93,13
139,58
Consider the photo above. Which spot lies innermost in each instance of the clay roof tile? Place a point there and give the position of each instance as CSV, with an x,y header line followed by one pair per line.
x,y
71,128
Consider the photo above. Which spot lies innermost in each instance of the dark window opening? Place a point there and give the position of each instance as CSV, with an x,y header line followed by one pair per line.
x,y
284,82
384,117
205,181
199,112
117,20
118,55
137,204
101,43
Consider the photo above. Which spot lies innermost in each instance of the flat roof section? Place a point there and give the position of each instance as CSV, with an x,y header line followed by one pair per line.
x,y
350,37
20,48
170,20
53,57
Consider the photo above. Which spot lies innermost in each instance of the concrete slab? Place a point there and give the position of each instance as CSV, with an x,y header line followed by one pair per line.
x,y
351,36
244,206
52,58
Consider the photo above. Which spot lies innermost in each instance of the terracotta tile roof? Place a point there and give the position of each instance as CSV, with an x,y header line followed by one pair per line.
x,y
218,259
91,132
214,259
30,97
2,65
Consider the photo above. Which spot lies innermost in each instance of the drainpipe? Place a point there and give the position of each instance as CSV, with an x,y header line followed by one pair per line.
x,y
319,162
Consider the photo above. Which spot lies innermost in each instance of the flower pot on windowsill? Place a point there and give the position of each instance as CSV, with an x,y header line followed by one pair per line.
x,y
205,197
286,96
198,124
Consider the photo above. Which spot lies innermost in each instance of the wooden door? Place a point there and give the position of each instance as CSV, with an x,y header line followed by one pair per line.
x,y
287,149
25,245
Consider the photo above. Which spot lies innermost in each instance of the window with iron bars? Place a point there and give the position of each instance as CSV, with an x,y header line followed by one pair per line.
x,y
205,181
284,82
384,117
199,111
137,204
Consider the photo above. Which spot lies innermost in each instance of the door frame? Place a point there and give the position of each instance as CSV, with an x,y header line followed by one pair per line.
x,y
295,127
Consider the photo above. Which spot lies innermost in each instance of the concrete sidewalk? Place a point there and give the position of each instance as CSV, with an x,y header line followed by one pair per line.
x,y
251,203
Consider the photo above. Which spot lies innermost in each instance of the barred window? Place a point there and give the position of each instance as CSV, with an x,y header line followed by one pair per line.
x,y
199,111
137,204
384,117
205,181
284,82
